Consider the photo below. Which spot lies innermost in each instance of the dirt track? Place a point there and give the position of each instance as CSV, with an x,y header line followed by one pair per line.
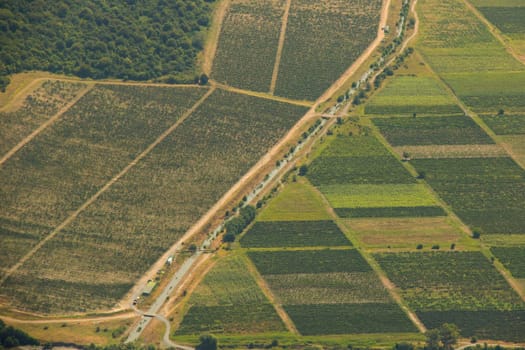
x,y
280,46
43,126
91,200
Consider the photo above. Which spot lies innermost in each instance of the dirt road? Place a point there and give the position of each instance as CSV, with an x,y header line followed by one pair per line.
x,y
280,46
42,127
110,183
118,316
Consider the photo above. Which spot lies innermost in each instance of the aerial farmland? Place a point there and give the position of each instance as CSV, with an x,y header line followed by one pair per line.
x,y
231,174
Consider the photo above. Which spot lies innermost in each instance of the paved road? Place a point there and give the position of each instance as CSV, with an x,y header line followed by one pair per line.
x,y
175,281
186,267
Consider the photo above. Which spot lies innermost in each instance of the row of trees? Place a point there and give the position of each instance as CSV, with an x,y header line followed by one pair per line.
x,y
237,224
125,39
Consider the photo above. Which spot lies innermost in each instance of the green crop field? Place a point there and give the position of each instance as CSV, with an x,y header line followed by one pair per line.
x,y
487,193
453,39
69,161
248,44
461,288
361,146
37,108
513,258
452,151
507,19
308,261
327,288
349,318
229,300
156,202
448,279
366,196
322,40
294,234
432,131
362,161
507,16
358,170
385,212
296,201
405,95
330,292
490,324
490,91
506,124
405,232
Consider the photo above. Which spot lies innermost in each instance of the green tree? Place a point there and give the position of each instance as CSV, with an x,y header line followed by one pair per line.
x,y
207,342
303,170
432,339
449,334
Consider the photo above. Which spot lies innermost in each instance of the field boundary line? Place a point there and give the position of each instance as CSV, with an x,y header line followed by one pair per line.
x,y
259,279
121,316
44,125
282,37
262,95
210,49
383,278
110,183
493,30
12,104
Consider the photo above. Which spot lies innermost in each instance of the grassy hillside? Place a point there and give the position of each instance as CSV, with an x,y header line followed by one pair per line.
x,y
132,39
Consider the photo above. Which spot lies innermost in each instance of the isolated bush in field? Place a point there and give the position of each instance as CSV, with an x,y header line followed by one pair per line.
x,y
207,342
303,170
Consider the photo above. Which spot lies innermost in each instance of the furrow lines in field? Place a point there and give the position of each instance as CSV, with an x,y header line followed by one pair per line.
x,y
42,127
91,200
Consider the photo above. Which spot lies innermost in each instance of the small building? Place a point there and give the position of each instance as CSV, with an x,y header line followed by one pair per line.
x,y
149,288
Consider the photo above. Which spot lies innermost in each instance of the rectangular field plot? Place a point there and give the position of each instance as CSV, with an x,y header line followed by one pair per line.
x,y
358,170
507,19
452,151
294,234
404,232
349,319
297,201
453,39
460,130
490,91
513,258
71,160
369,196
229,300
368,163
163,195
390,212
322,40
330,292
490,324
405,95
439,287
486,193
506,124
308,261
356,146
248,44
328,288
37,108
